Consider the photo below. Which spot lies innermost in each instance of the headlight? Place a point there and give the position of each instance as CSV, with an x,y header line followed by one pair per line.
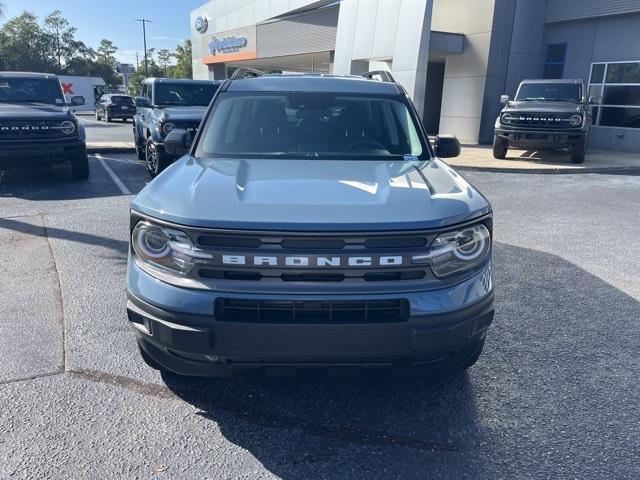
x,y
165,248
167,127
457,251
68,127
507,118
575,120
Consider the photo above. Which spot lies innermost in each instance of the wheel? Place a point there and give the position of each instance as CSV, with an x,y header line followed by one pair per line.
x,y
578,152
148,360
97,115
80,165
500,147
157,160
107,117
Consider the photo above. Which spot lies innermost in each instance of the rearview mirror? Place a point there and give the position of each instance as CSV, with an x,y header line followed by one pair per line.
x,y
142,102
177,142
504,99
447,146
77,100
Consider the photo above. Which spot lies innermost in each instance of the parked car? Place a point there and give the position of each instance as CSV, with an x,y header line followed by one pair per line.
x,y
37,127
310,226
545,115
166,104
115,106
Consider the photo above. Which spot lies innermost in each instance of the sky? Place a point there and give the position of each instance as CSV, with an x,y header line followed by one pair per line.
x,y
114,19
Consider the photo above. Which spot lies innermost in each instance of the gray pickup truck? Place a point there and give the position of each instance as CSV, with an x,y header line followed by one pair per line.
x,y
310,227
545,115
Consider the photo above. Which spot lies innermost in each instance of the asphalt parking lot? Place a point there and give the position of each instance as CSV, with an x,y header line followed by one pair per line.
x,y
102,132
555,394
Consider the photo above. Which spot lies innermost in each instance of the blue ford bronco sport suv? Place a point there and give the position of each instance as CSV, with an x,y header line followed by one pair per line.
x,y
310,227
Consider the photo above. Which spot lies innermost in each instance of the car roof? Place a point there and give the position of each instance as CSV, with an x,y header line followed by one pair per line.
x,y
313,83
29,74
180,80
557,80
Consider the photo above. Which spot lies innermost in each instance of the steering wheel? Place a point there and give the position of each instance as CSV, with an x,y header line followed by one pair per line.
x,y
365,145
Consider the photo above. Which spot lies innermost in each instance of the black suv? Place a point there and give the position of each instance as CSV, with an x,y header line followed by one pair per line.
x,y
37,128
115,106
545,115
166,104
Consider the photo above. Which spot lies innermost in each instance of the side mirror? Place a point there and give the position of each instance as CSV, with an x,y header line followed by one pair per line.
x,y
447,146
504,99
594,100
77,100
177,142
142,102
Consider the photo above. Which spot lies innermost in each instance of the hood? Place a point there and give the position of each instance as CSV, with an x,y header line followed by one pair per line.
x,y
39,111
310,195
546,107
185,114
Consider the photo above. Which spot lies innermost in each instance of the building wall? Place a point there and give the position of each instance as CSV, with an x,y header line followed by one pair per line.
x,y
465,76
563,10
606,39
304,33
393,34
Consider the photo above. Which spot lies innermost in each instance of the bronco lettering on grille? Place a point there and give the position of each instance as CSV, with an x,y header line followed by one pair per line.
x,y
298,261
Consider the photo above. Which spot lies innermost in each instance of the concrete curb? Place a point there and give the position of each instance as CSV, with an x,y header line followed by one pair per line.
x,y
107,149
632,170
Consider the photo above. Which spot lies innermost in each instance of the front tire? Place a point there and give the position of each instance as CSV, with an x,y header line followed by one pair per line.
x,y
157,159
107,117
97,116
578,152
80,165
500,147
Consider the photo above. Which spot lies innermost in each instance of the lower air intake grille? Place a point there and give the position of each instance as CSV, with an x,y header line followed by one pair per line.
x,y
311,311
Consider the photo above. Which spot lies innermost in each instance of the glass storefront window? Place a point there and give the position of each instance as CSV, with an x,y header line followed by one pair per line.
x,y
617,87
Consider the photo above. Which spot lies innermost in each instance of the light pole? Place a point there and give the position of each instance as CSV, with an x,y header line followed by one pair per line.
x,y
144,36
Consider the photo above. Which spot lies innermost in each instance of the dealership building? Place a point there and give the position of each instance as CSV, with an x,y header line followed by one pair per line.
x,y
454,57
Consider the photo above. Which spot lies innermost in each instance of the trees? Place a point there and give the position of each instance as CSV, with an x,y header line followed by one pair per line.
x,y
164,57
183,67
27,45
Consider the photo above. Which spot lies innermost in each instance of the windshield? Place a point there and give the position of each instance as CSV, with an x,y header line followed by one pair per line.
x,y
337,126
122,100
550,92
184,94
41,90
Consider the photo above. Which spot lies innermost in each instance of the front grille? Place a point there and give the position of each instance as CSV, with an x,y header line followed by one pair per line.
x,y
30,129
311,311
263,257
541,120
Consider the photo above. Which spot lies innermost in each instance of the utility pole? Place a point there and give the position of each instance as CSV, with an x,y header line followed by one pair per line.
x,y
144,36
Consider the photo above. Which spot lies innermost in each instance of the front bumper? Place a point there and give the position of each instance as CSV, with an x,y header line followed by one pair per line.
x,y
531,138
38,152
177,328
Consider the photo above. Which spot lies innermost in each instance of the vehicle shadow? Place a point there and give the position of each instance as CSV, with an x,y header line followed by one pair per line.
x,y
56,183
119,247
539,403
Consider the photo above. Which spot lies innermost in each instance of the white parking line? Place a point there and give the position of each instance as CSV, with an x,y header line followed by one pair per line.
x,y
123,188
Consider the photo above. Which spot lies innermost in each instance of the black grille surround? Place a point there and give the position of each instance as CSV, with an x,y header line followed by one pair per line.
x,y
314,248
32,129
540,120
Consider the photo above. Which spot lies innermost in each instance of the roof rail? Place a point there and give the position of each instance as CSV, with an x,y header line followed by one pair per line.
x,y
385,75
243,72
